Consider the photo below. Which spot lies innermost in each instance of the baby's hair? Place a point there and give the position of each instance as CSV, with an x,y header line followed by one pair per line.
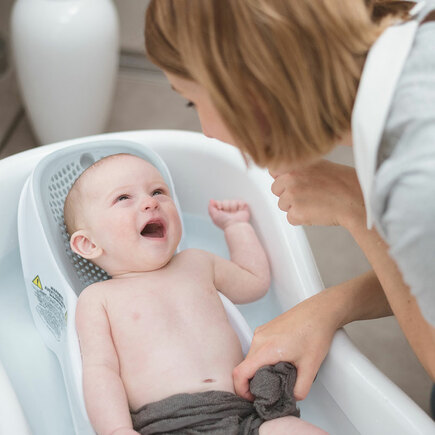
x,y
283,74
73,206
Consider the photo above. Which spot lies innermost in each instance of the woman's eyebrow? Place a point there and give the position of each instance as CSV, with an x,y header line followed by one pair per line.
x,y
174,89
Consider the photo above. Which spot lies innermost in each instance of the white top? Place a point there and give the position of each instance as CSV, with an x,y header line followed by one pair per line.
x,y
393,127
378,82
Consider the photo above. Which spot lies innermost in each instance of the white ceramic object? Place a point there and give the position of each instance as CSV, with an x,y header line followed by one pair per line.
x,y
350,396
66,56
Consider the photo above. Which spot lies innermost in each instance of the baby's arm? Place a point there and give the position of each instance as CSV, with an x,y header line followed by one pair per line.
x,y
247,276
105,397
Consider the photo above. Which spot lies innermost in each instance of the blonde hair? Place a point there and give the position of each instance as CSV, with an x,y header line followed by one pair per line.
x,y
283,74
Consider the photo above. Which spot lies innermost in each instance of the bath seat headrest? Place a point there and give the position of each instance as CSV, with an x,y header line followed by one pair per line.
x,y
51,182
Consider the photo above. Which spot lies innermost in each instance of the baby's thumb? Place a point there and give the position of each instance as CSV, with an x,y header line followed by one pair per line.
x,y
212,208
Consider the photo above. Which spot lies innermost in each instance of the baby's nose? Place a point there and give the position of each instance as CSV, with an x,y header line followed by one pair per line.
x,y
150,203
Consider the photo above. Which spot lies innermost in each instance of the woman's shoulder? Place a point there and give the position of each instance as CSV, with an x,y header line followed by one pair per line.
x,y
412,111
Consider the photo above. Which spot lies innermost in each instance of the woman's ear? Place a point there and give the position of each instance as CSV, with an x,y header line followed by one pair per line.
x,y
82,245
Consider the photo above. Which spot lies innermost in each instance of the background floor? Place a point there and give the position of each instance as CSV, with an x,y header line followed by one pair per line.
x,y
144,100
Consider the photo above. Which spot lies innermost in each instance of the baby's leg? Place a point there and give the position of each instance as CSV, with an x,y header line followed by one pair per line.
x,y
288,426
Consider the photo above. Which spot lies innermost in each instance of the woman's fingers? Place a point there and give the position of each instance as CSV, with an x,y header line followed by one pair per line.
x,y
304,380
280,184
241,376
323,193
245,371
301,336
285,202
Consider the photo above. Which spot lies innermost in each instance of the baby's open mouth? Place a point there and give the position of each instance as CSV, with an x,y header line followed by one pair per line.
x,y
154,229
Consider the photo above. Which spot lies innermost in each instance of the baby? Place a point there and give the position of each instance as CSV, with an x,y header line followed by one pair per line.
x,y
157,329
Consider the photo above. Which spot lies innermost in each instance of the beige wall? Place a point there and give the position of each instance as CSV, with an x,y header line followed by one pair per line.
x,y
131,17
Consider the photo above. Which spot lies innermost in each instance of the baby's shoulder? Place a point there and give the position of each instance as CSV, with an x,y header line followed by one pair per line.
x,y
91,303
95,292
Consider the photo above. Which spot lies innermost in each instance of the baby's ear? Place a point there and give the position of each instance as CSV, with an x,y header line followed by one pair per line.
x,y
81,244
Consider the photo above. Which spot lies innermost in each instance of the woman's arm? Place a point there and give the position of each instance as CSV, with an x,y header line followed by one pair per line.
x,y
303,334
105,396
329,194
419,333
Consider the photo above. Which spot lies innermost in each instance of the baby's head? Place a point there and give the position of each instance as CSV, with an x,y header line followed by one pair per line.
x,y
120,215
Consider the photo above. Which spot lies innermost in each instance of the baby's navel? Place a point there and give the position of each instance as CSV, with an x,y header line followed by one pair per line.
x,y
209,381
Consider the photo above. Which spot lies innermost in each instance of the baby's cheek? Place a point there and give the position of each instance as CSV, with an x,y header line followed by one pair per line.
x,y
119,226
178,227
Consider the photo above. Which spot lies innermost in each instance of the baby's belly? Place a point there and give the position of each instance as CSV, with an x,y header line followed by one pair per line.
x,y
184,361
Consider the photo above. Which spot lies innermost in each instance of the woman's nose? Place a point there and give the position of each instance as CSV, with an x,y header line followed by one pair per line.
x,y
150,203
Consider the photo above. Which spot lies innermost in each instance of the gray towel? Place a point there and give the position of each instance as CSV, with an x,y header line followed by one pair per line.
x,y
221,412
272,387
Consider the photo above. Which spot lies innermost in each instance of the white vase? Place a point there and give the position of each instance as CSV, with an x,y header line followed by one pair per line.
x,y
66,57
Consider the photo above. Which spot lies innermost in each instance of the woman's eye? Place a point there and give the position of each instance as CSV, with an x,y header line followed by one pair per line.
x,y
190,104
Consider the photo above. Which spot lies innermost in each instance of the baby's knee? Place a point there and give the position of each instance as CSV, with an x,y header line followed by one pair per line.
x,y
289,425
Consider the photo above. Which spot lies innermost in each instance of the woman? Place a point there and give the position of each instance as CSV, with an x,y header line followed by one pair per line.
x,y
286,81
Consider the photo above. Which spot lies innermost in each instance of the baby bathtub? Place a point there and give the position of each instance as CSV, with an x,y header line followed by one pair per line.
x,y
349,396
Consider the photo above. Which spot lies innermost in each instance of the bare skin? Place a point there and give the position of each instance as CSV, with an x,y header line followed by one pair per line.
x,y
158,327
322,193
150,321
326,193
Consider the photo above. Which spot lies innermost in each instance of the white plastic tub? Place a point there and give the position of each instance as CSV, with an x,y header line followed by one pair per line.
x,y
350,395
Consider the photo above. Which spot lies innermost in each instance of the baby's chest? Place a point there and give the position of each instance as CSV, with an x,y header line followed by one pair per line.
x,y
166,305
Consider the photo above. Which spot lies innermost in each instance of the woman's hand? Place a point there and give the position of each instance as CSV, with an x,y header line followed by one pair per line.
x,y
323,193
301,336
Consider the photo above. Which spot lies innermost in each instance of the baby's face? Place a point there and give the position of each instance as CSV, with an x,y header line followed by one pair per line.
x,y
130,215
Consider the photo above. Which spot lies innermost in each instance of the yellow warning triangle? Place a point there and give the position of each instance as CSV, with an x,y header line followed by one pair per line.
x,y
37,282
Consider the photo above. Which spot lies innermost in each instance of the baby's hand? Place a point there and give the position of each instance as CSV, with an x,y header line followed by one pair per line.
x,y
228,212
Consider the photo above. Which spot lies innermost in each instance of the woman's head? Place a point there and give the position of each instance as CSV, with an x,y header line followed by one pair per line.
x,y
282,75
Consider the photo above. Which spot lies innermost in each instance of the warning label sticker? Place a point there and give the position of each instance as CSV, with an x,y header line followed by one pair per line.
x,y
51,307
37,282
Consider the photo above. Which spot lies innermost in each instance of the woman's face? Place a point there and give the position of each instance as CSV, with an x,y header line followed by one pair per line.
x,y
211,121
214,127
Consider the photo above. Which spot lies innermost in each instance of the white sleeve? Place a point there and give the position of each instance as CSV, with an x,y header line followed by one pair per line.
x,y
406,216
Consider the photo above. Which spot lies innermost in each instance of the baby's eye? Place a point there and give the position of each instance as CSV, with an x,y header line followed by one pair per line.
x,y
157,192
122,197
190,104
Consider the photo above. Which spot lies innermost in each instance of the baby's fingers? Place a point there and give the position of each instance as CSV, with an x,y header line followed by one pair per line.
x,y
224,205
242,205
231,205
214,204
